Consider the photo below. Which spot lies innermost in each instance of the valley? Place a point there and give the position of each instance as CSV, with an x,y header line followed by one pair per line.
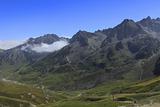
x,y
114,67
117,94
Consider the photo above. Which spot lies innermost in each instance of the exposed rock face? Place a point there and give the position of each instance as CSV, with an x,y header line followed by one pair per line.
x,y
157,68
119,46
151,25
48,39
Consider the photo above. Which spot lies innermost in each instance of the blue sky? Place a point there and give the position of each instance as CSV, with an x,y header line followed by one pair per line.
x,y
21,19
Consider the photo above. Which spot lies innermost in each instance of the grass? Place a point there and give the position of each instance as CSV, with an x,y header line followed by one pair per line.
x,y
110,94
106,103
99,96
107,88
12,102
16,93
19,91
144,86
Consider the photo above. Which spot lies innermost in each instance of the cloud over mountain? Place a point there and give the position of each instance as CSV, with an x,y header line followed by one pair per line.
x,y
43,47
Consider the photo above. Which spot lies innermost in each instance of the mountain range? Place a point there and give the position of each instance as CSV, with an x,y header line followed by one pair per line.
x,y
129,51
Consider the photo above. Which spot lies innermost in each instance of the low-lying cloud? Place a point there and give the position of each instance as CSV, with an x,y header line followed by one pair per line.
x,y
8,44
43,47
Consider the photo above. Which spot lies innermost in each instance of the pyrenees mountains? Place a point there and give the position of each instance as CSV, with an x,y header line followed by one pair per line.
x,y
129,51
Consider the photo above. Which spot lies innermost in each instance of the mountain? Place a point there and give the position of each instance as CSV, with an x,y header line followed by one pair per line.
x,y
129,51
119,66
63,63
26,53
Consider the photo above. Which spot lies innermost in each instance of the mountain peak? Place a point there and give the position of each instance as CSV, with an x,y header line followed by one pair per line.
x,y
50,35
148,18
146,21
81,37
127,21
47,38
158,19
151,24
81,32
127,28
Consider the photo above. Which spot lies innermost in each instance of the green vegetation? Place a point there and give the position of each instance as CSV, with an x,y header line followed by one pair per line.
x,y
152,85
14,94
107,88
110,94
84,104
5,101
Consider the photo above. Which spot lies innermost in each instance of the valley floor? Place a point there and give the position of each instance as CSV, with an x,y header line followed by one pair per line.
x,y
115,94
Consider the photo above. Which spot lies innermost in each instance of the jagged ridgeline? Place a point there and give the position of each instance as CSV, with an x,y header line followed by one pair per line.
x,y
129,51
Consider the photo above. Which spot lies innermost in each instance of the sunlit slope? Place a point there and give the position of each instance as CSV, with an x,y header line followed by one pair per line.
x,y
152,85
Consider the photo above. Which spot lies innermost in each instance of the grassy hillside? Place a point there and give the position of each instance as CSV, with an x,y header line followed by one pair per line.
x,y
84,104
141,92
152,85
111,94
115,94
13,94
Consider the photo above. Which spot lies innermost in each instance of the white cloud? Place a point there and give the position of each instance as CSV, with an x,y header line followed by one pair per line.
x,y
7,44
47,47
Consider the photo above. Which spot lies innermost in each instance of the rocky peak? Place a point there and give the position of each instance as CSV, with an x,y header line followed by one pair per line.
x,y
128,28
128,24
148,18
146,21
82,34
81,37
151,24
158,19
48,38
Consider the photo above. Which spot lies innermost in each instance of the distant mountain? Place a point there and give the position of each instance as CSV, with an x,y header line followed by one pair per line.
x,y
129,51
24,54
48,39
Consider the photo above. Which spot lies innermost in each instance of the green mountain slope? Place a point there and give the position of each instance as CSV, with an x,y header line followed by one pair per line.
x,y
115,94
152,85
14,94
